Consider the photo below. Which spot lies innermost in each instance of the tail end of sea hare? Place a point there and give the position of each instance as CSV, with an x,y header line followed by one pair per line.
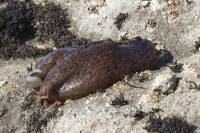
x,y
164,57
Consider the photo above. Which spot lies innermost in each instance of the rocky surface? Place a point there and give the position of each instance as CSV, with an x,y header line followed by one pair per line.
x,y
173,23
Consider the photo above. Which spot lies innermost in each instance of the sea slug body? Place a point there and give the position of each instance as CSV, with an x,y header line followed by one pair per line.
x,y
72,73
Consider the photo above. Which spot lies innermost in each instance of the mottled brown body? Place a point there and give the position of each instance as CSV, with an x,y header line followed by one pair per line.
x,y
86,69
46,64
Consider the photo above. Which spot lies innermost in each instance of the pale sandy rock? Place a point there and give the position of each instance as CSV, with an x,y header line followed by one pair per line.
x,y
165,84
145,3
2,82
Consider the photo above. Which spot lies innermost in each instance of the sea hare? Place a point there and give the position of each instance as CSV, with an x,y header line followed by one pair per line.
x,y
75,72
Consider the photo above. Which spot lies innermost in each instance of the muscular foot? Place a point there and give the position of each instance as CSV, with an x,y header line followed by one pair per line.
x,y
57,103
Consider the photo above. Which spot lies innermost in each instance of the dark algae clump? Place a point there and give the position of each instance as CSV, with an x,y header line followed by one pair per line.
x,y
52,23
40,117
138,115
22,51
16,27
169,125
22,21
176,67
197,46
15,22
119,101
119,20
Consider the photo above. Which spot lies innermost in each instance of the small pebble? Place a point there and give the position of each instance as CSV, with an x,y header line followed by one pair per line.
x,y
2,82
145,3
87,102
107,104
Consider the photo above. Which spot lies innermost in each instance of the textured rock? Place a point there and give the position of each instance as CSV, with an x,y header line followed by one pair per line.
x,y
2,83
165,84
95,113
144,3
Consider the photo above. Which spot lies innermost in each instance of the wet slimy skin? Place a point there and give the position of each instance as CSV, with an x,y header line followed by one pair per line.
x,y
72,73
37,76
